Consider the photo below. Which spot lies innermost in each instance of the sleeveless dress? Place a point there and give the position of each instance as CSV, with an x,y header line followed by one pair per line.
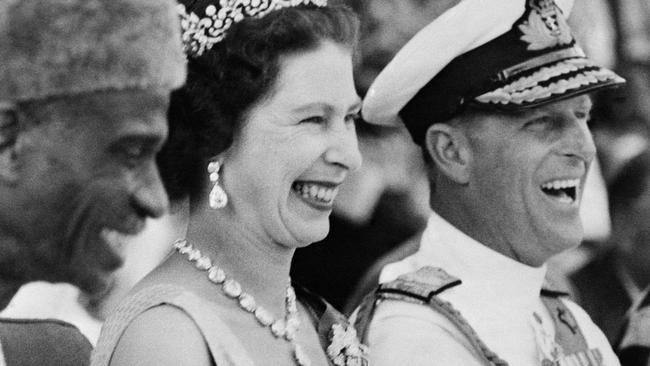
x,y
337,337
225,348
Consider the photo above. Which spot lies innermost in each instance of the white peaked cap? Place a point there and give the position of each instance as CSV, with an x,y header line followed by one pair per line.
x,y
462,28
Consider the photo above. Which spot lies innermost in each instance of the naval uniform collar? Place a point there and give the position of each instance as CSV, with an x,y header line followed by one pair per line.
x,y
485,272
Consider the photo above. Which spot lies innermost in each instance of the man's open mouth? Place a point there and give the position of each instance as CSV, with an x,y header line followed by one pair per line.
x,y
562,190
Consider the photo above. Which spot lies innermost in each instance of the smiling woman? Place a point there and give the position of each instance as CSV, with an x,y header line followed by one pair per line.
x,y
260,140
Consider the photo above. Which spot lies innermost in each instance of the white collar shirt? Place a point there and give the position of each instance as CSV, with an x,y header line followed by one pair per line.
x,y
498,297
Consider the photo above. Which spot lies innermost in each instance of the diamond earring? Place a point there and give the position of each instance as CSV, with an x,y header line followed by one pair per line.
x,y
218,197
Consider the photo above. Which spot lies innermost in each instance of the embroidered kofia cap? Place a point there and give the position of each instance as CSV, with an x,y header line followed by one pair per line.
x,y
52,48
505,55
205,23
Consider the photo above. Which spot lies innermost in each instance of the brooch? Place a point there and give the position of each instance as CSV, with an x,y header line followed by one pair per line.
x,y
345,348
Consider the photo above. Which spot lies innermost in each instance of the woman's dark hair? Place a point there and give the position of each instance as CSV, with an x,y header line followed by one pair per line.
x,y
226,81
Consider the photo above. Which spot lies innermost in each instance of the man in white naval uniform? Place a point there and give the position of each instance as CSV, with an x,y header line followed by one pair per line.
x,y
495,92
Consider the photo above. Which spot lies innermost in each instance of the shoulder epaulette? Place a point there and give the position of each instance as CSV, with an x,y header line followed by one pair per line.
x,y
421,284
418,287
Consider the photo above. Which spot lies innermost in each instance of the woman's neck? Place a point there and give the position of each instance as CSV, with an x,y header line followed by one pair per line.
x,y
257,263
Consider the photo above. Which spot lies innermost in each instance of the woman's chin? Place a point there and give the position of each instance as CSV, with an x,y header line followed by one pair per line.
x,y
307,233
305,223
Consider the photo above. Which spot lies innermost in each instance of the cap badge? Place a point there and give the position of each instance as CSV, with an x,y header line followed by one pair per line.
x,y
545,27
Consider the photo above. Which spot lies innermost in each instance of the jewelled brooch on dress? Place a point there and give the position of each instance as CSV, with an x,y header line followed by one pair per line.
x,y
345,348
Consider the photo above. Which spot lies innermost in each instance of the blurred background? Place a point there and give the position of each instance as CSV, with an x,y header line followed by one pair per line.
x,y
382,208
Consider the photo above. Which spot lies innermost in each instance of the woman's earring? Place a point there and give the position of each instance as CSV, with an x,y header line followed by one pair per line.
x,y
218,197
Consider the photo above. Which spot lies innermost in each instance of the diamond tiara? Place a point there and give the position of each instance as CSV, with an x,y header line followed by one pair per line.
x,y
201,34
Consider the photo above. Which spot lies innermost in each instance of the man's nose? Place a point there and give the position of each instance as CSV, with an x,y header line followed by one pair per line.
x,y
579,142
150,198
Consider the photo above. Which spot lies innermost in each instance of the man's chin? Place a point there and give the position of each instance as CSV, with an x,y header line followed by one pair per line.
x,y
96,286
566,239
560,230
94,298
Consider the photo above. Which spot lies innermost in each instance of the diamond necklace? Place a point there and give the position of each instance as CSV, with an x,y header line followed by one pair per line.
x,y
280,328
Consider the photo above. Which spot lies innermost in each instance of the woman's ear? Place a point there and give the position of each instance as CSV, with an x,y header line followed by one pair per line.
x,y
9,133
449,150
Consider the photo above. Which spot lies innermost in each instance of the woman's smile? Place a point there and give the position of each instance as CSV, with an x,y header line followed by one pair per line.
x,y
319,195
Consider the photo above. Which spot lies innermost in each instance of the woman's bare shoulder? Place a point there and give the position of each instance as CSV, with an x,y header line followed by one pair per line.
x,y
163,335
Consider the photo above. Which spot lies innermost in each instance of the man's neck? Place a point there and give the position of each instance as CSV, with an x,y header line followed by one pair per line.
x,y
7,291
461,219
9,282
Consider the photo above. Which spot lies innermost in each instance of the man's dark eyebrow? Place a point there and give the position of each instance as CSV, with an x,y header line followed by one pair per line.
x,y
146,139
526,114
8,125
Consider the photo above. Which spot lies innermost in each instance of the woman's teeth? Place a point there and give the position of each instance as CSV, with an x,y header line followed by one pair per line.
x,y
315,192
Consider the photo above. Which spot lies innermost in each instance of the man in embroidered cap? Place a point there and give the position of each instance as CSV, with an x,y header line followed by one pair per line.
x,y
495,93
84,87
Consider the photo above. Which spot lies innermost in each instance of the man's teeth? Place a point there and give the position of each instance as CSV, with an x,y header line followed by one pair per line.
x,y
315,191
561,184
564,190
114,238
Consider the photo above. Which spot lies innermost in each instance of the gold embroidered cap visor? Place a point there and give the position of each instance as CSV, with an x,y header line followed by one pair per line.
x,y
517,54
